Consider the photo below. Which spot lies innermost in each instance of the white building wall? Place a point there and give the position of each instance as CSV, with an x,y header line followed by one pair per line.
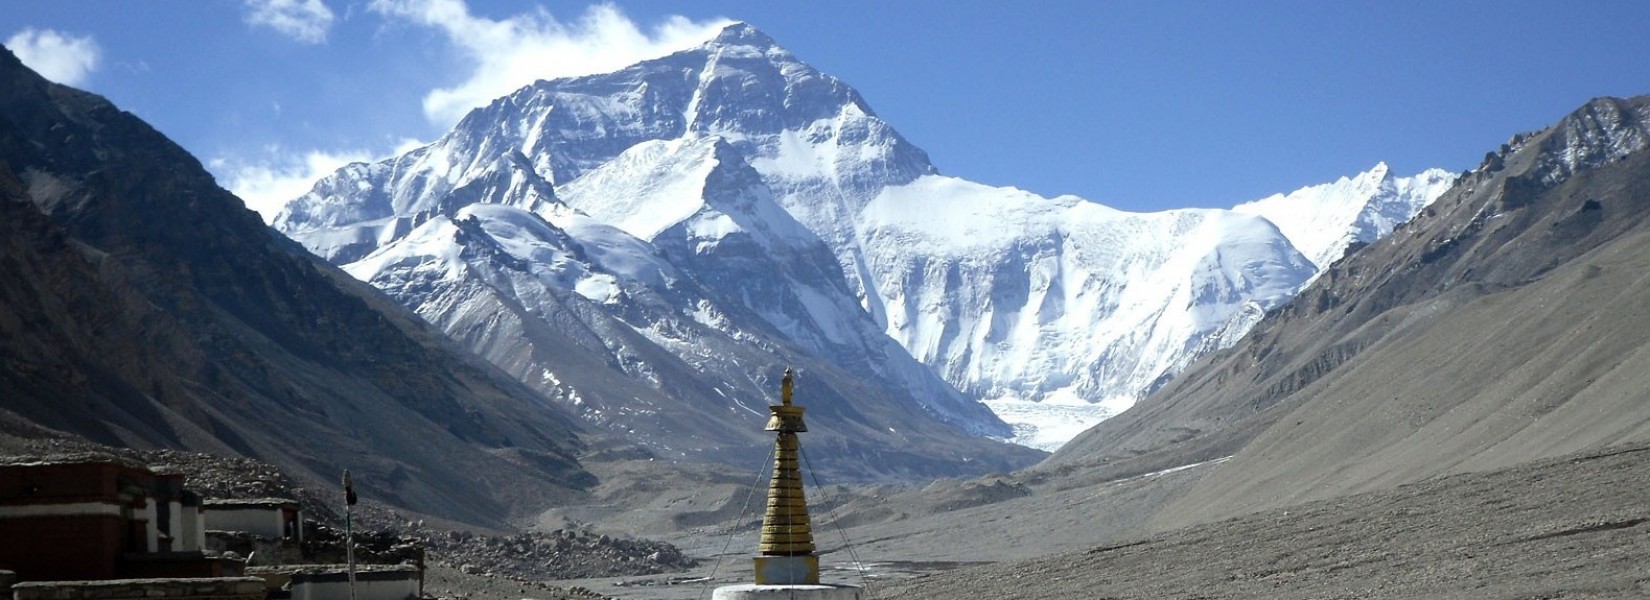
x,y
151,530
191,530
174,526
364,590
264,522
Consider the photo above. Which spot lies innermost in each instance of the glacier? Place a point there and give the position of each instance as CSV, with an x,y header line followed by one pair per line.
x,y
685,218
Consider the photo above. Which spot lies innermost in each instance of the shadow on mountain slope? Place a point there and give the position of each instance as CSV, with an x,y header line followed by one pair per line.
x,y
144,306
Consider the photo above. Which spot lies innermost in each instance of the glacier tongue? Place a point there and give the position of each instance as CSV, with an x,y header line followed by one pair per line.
x,y
730,200
1048,425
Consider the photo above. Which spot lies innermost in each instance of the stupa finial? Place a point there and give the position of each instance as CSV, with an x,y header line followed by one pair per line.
x,y
787,386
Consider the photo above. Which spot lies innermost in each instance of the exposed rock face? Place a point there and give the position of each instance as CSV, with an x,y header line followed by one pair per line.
x,y
1503,326
141,305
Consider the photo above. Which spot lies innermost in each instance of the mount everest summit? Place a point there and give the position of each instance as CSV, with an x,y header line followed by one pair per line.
x,y
649,245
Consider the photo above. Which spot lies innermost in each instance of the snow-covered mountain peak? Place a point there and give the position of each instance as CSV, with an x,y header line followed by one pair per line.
x,y
817,145
744,35
749,86
1324,221
1379,171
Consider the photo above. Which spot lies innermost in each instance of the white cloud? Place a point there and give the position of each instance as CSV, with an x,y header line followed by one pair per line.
x,y
268,185
519,50
302,20
60,57
407,145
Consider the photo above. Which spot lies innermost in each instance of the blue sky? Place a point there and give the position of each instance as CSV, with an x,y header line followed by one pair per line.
x,y
1138,105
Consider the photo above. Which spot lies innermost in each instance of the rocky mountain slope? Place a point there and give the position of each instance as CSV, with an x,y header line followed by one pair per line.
x,y
737,192
1503,326
143,306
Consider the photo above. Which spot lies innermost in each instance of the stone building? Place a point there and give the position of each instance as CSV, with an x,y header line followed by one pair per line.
x,y
98,518
95,527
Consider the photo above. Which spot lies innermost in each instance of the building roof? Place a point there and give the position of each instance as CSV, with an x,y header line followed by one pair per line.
x,y
69,458
249,503
324,568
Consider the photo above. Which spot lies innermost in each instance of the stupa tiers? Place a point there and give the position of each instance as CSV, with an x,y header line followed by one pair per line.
x,y
786,566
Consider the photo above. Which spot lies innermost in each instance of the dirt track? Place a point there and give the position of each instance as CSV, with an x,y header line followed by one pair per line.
x,y
1577,527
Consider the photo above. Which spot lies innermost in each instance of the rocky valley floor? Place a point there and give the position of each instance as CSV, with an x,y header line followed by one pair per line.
x,y
1577,527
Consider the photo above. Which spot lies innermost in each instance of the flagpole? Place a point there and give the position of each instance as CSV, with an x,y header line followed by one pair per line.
x,y
349,535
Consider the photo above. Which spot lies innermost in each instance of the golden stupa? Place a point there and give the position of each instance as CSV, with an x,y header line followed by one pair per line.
x,y
786,550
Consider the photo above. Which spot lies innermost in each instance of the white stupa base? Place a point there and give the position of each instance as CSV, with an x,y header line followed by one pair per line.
x,y
787,592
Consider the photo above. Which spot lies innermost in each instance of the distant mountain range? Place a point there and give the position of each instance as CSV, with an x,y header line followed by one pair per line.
x,y
690,221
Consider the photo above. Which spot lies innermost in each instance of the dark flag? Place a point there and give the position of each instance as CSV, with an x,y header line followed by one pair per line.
x,y
349,489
